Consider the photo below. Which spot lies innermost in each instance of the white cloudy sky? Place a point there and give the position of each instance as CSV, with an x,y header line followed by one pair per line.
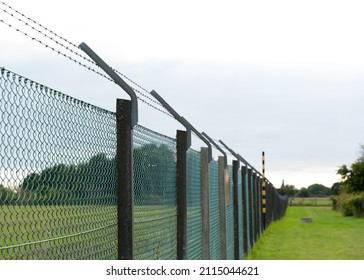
x,y
285,77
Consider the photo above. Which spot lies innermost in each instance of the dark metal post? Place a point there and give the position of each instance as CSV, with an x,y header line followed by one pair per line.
x,y
222,206
125,181
256,206
245,211
236,167
182,147
251,211
205,186
117,79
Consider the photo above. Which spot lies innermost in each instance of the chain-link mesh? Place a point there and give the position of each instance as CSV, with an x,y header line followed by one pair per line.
x,y
194,204
58,184
230,219
155,194
214,211
247,213
240,212
57,174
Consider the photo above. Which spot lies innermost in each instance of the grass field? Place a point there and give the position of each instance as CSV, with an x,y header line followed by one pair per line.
x,y
57,232
310,201
329,237
83,232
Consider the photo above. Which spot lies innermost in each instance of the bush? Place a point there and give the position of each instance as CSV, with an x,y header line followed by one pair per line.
x,y
347,209
357,203
334,200
349,204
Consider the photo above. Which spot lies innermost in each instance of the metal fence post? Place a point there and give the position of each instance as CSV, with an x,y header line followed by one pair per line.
x,y
182,146
251,211
125,181
236,167
222,206
205,185
245,209
256,206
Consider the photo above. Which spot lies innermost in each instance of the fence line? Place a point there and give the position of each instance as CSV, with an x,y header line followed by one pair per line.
x,y
60,176
65,184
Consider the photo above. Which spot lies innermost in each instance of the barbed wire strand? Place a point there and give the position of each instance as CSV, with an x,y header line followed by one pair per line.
x,y
151,101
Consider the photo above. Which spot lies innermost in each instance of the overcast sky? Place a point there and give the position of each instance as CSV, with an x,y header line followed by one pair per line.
x,y
285,77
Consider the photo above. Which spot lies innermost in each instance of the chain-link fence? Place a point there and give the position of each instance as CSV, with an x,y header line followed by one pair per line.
x,y
194,206
59,186
154,195
57,174
214,211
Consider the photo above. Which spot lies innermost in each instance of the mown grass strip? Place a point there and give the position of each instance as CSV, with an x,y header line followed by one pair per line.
x,y
329,237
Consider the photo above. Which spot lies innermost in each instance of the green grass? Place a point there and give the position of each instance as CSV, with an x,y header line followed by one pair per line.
x,y
329,237
310,201
83,232
57,232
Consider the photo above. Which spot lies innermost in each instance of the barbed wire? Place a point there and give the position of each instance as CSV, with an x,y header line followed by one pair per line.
x,y
75,55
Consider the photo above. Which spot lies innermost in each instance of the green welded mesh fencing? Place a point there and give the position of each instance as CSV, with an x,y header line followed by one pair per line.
x,y
57,174
155,226
59,187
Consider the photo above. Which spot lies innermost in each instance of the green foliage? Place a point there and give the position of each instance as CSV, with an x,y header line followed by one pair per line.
x,y
315,190
350,200
353,177
4,195
304,192
349,204
69,184
154,172
289,190
336,188
318,190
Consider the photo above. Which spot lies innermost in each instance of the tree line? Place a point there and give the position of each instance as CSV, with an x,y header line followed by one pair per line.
x,y
314,190
94,181
350,199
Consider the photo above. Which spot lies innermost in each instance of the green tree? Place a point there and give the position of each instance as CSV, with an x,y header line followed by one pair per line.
x,y
6,195
289,190
336,188
303,192
154,173
352,178
76,184
318,190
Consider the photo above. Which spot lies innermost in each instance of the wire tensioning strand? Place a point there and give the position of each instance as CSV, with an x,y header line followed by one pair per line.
x,y
74,50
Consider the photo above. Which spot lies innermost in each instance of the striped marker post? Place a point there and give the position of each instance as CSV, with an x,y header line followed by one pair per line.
x,y
264,200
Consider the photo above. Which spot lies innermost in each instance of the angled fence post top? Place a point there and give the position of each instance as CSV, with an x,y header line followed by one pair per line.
x,y
217,147
117,79
180,119
231,151
200,136
248,165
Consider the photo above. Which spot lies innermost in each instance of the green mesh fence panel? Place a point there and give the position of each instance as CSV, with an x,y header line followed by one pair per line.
x,y
194,210
230,219
247,211
57,174
240,211
214,211
155,191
